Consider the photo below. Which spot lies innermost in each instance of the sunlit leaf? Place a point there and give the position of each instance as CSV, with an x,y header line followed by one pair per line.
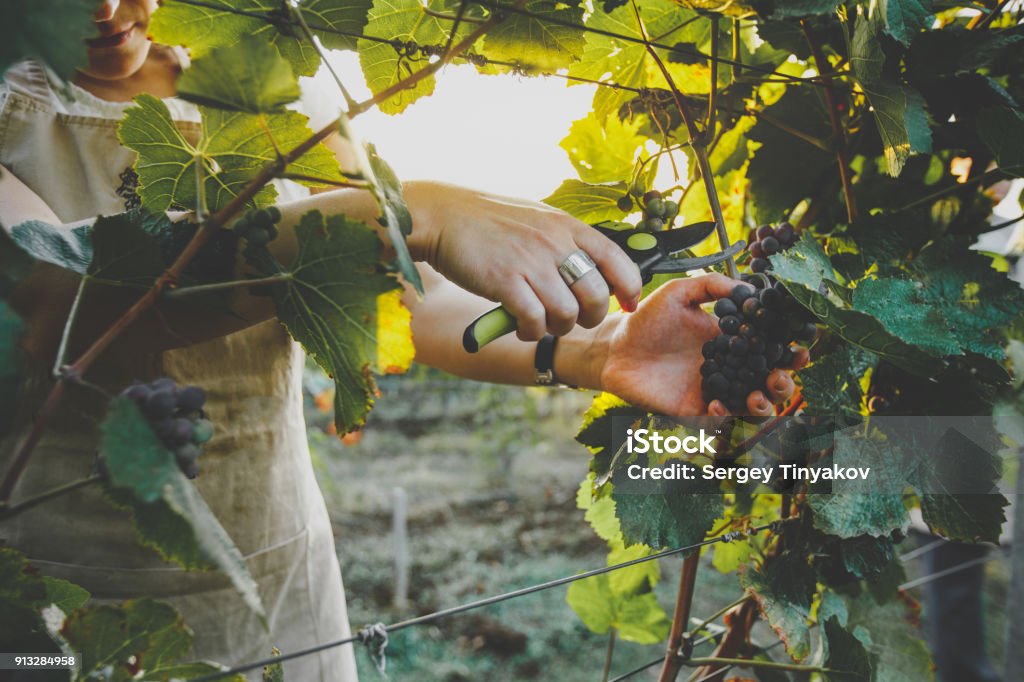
x,y
248,76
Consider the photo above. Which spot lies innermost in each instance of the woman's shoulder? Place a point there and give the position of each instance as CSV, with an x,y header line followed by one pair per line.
x,y
31,79
26,78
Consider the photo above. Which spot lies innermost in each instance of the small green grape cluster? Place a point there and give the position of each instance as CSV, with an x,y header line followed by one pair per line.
x,y
259,227
176,416
658,212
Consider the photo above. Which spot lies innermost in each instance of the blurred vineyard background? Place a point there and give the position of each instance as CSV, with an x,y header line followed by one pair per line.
x,y
491,474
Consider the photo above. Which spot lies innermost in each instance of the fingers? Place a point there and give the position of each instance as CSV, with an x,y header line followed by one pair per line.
x,y
758,405
562,308
591,292
708,288
780,386
524,305
618,270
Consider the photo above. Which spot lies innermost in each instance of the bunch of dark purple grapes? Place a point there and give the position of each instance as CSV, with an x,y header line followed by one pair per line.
x,y
176,416
767,241
758,320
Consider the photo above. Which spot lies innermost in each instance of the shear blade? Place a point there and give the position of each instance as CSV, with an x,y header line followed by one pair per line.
x,y
685,264
674,241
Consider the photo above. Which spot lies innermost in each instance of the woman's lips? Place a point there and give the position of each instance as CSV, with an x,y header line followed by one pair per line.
x,y
112,40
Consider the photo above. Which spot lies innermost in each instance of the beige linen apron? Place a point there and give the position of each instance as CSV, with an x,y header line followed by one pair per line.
x,y
256,473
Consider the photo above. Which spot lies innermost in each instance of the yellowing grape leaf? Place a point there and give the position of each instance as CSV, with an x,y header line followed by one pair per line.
x,y
52,31
395,351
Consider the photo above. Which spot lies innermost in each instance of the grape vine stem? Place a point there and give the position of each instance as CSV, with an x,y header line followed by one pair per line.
x,y
839,137
754,663
673,662
698,141
11,510
180,292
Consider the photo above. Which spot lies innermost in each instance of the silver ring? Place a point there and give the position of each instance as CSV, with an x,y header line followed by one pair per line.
x,y
575,266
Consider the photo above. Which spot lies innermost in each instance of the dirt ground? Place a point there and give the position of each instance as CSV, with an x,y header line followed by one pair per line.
x,y
490,474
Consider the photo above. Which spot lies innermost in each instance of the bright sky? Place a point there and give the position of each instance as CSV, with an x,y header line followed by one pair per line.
x,y
496,133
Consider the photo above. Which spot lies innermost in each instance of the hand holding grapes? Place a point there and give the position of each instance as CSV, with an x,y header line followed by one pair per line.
x,y
654,356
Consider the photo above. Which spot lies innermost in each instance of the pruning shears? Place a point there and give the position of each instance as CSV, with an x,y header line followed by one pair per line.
x,y
653,252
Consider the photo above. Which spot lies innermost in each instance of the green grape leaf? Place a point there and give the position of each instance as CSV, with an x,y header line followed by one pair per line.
x,y
669,513
898,109
124,251
629,580
890,633
902,307
588,202
219,23
903,19
976,301
249,76
164,502
275,671
397,218
804,269
64,595
628,63
232,150
637,618
534,41
729,556
51,31
603,152
1002,131
867,557
115,640
831,384
23,594
802,8
405,21
68,249
783,588
600,511
956,482
598,434
329,304
847,659
902,122
873,506
785,167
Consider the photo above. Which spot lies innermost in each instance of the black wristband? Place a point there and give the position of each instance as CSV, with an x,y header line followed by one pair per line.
x,y
544,362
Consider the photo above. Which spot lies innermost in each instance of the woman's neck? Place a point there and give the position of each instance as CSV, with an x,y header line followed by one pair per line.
x,y
156,77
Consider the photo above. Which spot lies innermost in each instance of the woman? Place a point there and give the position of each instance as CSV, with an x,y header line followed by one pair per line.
x,y
62,163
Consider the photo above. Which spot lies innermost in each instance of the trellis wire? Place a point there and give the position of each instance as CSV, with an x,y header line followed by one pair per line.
x,y
364,635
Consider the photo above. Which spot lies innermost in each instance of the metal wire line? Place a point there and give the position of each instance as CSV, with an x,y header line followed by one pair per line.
x,y
361,637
